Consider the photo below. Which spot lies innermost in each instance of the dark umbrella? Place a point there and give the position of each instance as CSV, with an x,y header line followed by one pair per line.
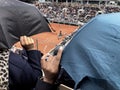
x,y
18,19
92,57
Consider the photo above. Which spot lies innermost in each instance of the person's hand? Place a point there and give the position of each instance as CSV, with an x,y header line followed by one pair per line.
x,y
27,43
50,66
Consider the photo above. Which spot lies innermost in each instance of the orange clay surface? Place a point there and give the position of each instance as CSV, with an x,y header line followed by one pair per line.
x,y
48,40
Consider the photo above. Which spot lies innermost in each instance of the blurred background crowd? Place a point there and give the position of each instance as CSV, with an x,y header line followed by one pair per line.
x,y
73,13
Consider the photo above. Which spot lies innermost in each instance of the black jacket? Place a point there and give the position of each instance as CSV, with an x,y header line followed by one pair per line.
x,y
24,70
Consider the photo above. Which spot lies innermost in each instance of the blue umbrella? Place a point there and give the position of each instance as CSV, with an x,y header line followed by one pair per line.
x,y
92,56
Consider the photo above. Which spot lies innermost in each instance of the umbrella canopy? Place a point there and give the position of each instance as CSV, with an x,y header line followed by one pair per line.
x,y
92,57
17,19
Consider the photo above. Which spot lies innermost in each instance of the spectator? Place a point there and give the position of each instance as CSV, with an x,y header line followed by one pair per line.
x,y
24,72
24,68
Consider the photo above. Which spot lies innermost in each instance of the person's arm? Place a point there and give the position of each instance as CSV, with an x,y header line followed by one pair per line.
x,y
33,54
32,69
25,70
50,66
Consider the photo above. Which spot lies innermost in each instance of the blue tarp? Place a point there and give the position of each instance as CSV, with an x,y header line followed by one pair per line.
x,y
92,58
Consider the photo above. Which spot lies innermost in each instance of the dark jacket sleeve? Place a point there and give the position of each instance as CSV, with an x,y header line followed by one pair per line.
x,y
24,71
45,86
34,57
32,68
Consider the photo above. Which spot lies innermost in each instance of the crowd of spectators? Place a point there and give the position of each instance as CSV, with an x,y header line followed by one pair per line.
x,y
73,13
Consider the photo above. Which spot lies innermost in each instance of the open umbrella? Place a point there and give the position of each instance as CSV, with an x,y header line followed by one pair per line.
x,y
92,57
17,19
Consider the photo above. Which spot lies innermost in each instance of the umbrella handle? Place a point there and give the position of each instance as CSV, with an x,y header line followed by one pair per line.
x,y
36,44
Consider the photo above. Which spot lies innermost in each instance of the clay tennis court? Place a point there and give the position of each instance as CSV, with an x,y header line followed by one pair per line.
x,y
48,40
